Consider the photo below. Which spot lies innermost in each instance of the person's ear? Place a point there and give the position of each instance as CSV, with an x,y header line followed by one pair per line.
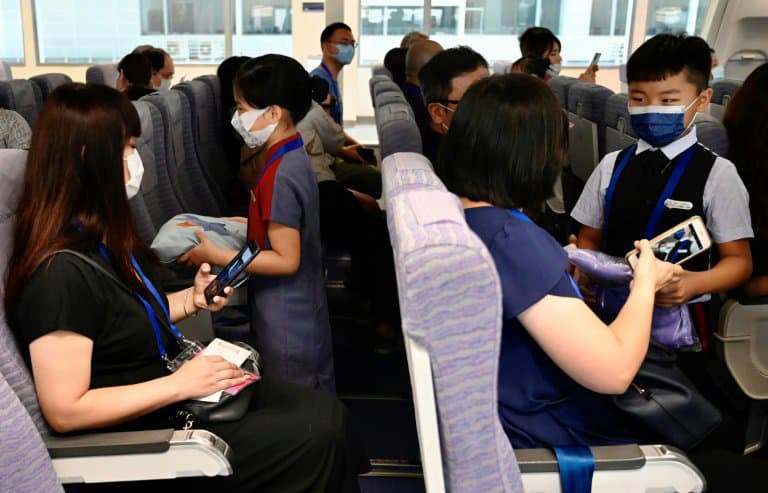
x,y
436,113
704,98
274,114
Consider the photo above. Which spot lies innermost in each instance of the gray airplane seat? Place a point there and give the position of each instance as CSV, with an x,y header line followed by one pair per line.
x,y
743,62
105,74
48,82
376,80
380,69
386,86
5,70
397,129
207,136
389,97
212,80
586,107
22,96
711,133
188,177
560,85
451,307
618,130
741,341
722,91
25,465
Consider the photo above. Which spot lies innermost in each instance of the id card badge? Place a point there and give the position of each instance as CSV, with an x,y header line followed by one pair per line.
x,y
189,350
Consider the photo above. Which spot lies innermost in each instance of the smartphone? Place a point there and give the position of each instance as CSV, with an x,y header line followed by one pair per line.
x,y
367,154
229,274
676,245
595,59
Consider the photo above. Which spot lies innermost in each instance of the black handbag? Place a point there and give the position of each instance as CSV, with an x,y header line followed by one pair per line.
x,y
666,401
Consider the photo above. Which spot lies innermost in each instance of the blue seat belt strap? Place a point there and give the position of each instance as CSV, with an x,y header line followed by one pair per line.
x,y
576,468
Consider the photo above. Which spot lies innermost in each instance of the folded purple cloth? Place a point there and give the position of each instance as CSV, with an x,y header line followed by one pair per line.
x,y
602,268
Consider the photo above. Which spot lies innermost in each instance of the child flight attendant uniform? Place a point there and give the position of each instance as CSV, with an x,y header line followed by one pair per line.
x,y
289,315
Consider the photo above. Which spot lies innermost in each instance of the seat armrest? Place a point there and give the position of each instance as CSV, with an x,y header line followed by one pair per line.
x,y
607,458
117,443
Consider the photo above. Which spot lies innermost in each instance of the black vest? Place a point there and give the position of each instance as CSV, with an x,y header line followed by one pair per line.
x,y
637,191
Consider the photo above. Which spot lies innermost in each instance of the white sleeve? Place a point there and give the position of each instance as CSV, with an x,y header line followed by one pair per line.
x,y
726,204
589,208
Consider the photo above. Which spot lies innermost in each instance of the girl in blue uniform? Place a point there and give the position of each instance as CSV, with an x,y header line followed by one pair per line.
x,y
559,363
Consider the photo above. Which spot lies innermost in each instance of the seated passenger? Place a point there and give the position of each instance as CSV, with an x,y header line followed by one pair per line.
x,y
668,77
532,66
289,313
394,61
134,76
418,55
14,130
746,120
162,66
558,361
444,80
540,42
88,338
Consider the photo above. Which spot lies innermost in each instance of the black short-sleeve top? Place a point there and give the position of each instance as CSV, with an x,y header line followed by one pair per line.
x,y
66,293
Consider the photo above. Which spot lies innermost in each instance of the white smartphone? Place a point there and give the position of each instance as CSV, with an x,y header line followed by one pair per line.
x,y
676,245
595,59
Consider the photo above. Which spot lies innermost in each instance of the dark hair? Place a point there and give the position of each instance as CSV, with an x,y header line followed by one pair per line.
x,y
332,28
746,121
75,171
394,60
666,55
506,144
156,56
536,41
275,80
436,75
136,69
320,89
532,66
226,73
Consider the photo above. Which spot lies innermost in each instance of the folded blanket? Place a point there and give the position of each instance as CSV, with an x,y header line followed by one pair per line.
x,y
177,236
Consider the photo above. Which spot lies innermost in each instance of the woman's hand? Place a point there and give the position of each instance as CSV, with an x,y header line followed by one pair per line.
x,y
202,279
653,271
204,375
205,251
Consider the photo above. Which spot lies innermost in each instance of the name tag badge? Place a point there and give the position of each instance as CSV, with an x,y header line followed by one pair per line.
x,y
678,204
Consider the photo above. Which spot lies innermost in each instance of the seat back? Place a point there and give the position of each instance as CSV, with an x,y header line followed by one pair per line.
x,y
586,105
12,366
374,81
105,74
212,80
722,91
407,171
450,302
23,97
206,135
618,130
711,133
386,86
397,129
157,193
380,69
5,70
743,62
187,175
48,82
742,336
560,85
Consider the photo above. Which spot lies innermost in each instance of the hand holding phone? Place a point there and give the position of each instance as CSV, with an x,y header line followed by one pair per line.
x,y
678,244
367,154
228,275
595,60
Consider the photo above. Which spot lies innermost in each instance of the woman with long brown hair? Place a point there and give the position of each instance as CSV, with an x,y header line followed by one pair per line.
x,y
98,347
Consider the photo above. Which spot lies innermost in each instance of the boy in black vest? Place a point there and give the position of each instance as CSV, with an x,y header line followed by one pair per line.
x,y
668,77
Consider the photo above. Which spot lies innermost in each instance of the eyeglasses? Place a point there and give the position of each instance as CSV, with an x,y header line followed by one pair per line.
x,y
353,44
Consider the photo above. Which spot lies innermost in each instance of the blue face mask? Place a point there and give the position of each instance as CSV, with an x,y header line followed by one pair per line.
x,y
345,54
718,72
659,125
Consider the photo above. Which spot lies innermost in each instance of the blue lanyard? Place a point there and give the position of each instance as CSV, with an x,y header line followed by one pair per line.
x,y
335,110
289,146
518,214
151,312
669,188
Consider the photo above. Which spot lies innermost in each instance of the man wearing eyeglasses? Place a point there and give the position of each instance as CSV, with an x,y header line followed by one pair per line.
x,y
351,169
444,80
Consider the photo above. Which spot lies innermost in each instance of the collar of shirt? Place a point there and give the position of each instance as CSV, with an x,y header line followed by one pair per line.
x,y
674,148
412,88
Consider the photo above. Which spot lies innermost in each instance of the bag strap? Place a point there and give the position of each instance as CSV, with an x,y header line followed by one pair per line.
x,y
576,468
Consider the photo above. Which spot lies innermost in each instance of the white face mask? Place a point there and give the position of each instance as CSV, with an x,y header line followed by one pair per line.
x,y
165,85
554,69
244,121
136,172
